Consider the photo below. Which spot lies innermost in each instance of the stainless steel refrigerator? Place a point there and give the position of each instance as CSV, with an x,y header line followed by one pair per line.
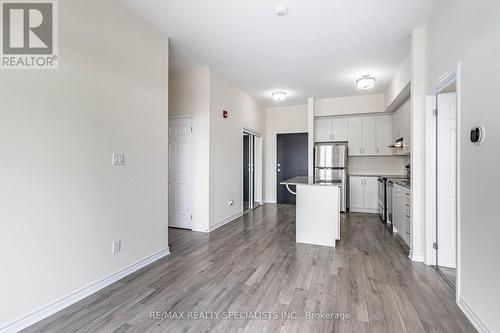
x,y
330,167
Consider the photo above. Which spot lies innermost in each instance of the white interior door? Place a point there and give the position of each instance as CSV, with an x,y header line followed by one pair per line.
x,y
446,179
180,160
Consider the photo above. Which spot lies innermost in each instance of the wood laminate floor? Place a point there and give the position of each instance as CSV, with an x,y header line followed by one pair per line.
x,y
253,266
449,274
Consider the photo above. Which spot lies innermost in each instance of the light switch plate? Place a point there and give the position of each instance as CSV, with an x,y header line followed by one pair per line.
x,y
116,246
118,159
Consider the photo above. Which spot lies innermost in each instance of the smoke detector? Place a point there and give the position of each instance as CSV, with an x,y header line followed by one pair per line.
x,y
281,10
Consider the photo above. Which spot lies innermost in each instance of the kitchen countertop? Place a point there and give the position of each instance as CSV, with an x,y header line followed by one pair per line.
x,y
305,180
360,174
403,182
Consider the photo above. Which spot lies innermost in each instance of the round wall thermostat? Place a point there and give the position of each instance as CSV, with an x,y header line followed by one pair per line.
x,y
477,135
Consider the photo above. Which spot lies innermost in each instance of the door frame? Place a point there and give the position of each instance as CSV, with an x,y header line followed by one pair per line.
x,y
193,167
251,197
452,76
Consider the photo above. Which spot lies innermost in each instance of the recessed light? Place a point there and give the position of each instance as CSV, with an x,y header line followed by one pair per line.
x,y
365,82
279,96
281,10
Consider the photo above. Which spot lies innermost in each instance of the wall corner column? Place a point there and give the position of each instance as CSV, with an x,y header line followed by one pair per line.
x,y
310,131
418,107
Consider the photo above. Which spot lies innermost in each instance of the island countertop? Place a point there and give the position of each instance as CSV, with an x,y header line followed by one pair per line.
x,y
305,180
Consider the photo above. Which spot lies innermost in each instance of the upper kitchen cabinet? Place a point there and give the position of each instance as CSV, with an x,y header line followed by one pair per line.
x,y
398,101
384,135
370,136
323,130
401,127
331,129
355,144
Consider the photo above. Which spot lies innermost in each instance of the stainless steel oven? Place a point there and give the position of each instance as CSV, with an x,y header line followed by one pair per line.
x,y
382,198
389,188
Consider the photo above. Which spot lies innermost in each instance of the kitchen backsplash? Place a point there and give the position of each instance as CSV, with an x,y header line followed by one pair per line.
x,y
388,165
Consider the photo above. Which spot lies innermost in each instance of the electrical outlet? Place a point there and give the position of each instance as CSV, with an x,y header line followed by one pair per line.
x,y
118,159
116,246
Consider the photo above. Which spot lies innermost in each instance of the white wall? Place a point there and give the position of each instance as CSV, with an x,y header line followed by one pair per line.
x,y
189,96
226,145
468,31
349,105
401,78
62,203
218,142
287,119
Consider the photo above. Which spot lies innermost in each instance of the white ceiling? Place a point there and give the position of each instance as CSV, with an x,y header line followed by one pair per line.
x,y
318,50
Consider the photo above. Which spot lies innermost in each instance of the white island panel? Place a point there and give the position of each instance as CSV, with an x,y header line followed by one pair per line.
x,y
318,214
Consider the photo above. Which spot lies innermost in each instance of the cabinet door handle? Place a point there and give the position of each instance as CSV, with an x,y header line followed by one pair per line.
x,y
377,151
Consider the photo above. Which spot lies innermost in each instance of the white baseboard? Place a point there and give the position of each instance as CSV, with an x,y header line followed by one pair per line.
x,y
363,210
225,221
48,310
474,319
418,257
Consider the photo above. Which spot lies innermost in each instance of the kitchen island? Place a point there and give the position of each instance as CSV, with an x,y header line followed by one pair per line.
x,y
317,211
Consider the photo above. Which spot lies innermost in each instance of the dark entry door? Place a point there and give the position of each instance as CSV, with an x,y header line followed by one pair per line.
x,y
291,161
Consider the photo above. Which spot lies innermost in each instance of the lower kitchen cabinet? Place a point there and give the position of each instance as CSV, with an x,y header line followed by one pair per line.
x,y
401,205
363,194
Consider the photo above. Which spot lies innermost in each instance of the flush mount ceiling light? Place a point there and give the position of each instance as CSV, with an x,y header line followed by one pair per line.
x,y
281,10
365,82
279,96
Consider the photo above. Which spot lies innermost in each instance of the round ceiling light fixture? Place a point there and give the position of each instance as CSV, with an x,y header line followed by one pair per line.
x,y
365,82
279,96
281,10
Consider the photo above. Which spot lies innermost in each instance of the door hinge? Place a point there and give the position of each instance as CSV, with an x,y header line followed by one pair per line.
x,y
435,112
435,246
191,217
